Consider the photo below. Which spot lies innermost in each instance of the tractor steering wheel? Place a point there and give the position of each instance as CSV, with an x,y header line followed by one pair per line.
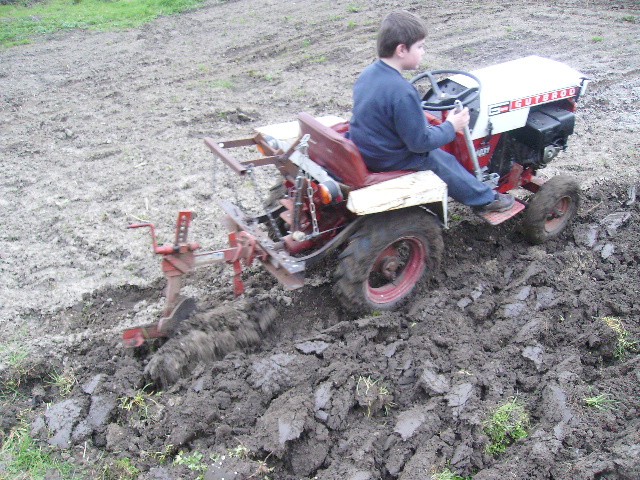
x,y
443,100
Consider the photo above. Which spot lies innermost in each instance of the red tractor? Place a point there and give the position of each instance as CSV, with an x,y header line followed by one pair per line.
x,y
387,226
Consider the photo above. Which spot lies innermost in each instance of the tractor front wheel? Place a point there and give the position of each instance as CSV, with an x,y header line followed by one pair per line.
x,y
386,258
551,209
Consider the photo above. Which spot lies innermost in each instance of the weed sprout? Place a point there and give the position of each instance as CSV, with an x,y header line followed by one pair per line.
x,y
508,424
625,343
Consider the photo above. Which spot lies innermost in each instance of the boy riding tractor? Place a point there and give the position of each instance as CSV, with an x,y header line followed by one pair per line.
x,y
386,225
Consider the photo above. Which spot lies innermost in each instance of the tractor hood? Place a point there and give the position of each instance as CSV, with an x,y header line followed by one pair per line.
x,y
510,89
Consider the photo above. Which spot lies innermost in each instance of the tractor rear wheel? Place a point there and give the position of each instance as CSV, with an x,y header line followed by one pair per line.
x,y
551,209
386,259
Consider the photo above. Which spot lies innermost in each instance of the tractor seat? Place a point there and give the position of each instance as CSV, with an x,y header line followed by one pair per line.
x,y
339,155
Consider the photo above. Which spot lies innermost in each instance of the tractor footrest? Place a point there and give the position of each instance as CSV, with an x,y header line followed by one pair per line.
x,y
495,218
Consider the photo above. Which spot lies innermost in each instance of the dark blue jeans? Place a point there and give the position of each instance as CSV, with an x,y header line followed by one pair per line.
x,y
463,186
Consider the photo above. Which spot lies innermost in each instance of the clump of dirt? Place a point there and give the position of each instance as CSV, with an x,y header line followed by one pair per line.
x,y
91,143
209,336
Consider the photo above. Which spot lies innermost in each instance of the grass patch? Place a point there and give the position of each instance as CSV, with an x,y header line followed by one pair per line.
x,y
23,458
163,455
263,471
266,76
193,462
21,22
373,396
64,382
626,344
447,474
139,403
601,402
508,424
121,469
17,361
239,452
318,59
223,84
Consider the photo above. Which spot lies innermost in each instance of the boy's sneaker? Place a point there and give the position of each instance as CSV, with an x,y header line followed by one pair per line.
x,y
502,203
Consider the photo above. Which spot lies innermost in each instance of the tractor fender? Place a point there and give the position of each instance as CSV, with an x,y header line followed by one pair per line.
x,y
423,188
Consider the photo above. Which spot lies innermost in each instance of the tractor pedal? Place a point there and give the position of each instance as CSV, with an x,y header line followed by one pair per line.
x,y
495,218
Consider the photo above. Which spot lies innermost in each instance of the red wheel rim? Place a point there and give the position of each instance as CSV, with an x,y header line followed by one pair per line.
x,y
396,270
557,216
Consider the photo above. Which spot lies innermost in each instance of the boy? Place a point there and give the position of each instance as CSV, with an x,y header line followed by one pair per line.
x,y
389,127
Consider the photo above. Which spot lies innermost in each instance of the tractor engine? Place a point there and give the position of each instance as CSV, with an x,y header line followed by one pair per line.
x,y
538,142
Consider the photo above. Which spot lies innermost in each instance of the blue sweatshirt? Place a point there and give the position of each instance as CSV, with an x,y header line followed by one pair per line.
x,y
388,124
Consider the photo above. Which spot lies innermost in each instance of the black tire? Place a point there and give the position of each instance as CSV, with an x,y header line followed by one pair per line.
x,y
552,208
389,255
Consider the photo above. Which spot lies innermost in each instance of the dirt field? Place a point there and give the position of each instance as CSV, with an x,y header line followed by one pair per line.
x,y
98,130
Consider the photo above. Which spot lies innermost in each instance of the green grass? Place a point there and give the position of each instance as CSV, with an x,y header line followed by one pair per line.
x,y
626,344
447,474
64,382
193,462
120,469
20,22
223,84
601,402
19,368
374,395
163,455
508,424
16,359
139,403
23,458
239,452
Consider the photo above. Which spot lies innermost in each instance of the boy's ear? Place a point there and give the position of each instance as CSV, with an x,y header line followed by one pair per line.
x,y
401,50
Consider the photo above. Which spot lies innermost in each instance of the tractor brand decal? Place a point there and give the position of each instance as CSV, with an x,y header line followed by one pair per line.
x,y
499,108
543,98
538,99
481,152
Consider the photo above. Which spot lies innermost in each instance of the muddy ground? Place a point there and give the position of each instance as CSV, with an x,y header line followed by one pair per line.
x,y
98,130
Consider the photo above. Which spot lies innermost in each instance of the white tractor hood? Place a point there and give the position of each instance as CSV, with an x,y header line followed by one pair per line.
x,y
511,88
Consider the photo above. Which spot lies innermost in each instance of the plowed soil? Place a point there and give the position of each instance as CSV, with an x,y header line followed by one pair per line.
x,y
99,130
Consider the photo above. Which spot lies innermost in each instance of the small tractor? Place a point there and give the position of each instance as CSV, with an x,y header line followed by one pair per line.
x,y
386,228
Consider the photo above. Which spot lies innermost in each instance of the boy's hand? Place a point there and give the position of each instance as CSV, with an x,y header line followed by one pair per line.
x,y
459,120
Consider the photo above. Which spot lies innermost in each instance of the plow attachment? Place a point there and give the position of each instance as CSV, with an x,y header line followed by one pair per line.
x,y
246,244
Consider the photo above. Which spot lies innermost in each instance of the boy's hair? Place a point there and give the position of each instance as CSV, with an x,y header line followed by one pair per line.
x,y
398,28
